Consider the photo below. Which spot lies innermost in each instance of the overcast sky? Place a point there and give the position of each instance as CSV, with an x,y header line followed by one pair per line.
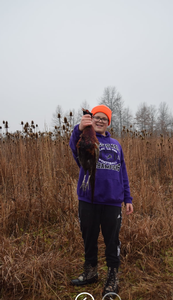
x,y
64,52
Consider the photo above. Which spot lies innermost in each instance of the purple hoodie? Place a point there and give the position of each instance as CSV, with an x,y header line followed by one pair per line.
x,y
111,179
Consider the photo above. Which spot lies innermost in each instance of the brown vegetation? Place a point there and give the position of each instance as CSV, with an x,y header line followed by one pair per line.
x,y
41,247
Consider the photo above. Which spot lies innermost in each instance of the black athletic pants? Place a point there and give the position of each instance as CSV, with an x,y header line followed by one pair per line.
x,y
94,216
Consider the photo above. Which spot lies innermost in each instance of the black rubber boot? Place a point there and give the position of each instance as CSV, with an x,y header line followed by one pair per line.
x,y
89,275
111,282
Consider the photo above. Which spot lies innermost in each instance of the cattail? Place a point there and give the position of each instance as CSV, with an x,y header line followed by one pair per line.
x,y
21,123
71,114
59,116
65,120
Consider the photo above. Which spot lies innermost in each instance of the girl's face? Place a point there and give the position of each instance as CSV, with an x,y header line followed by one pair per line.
x,y
100,122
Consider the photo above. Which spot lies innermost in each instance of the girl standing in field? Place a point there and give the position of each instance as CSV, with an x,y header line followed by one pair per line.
x,y
111,190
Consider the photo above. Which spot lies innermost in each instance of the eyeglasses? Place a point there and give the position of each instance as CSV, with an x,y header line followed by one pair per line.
x,y
104,120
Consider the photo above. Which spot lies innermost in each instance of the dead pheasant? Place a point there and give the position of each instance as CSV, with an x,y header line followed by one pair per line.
x,y
88,154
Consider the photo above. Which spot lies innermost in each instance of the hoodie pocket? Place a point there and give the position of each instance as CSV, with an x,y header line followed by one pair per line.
x,y
109,190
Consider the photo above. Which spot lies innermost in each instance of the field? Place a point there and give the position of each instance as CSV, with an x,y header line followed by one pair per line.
x,y
41,247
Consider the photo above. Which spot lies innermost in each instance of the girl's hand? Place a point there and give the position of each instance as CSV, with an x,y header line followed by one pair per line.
x,y
129,208
86,120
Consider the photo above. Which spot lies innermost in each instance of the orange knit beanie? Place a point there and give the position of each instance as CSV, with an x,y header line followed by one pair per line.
x,y
104,109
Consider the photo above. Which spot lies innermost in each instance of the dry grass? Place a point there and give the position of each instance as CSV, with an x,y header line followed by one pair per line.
x,y
41,247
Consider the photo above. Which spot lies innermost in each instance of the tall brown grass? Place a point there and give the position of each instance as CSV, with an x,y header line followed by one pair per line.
x,y
41,247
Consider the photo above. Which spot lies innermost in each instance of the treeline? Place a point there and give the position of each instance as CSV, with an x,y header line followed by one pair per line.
x,y
149,118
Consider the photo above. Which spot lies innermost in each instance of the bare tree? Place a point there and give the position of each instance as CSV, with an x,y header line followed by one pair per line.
x,y
142,117
153,119
57,116
164,120
171,125
127,118
72,117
